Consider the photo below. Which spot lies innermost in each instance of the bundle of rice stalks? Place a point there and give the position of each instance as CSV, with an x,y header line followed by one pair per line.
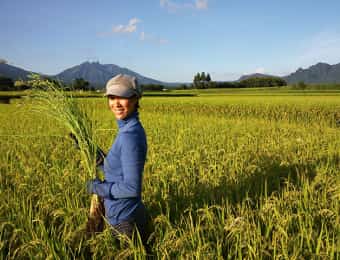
x,y
54,103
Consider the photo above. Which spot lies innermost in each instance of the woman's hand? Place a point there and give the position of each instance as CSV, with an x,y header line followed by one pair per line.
x,y
101,188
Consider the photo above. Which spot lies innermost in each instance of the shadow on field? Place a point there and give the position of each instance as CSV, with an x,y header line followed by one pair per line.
x,y
7,99
270,177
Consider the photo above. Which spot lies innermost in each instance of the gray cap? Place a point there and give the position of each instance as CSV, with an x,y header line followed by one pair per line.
x,y
123,86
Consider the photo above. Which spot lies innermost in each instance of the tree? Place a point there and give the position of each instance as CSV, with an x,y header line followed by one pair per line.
x,y
182,86
80,84
208,78
6,83
301,85
202,80
21,85
152,87
258,82
196,81
203,77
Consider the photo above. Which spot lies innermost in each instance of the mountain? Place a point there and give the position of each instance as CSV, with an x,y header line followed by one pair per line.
x,y
255,75
98,74
13,72
94,72
318,73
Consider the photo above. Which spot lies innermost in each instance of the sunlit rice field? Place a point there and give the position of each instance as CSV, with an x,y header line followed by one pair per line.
x,y
226,177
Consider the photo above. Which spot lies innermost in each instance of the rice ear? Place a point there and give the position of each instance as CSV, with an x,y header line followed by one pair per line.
x,y
95,222
55,103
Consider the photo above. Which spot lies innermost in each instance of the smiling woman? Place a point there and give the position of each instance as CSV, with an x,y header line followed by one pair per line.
x,y
121,106
124,164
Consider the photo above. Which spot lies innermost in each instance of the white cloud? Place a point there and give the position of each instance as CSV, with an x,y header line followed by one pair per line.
x,y
132,27
174,6
259,70
3,61
164,3
129,28
322,47
150,38
201,4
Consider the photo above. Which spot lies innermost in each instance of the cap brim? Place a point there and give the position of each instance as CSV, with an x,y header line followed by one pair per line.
x,y
119,92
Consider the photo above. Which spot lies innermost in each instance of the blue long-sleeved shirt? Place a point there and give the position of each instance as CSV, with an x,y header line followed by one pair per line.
x,y
123,166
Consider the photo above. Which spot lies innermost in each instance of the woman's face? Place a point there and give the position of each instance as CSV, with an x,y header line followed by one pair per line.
x,y
122,107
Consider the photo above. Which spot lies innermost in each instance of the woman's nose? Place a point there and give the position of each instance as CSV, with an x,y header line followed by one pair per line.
x,y
116,102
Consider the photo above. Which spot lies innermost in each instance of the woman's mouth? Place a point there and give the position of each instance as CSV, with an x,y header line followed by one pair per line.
x,y
119,110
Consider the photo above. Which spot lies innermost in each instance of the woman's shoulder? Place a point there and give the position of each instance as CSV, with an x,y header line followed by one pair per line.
x,y
134,132
132,127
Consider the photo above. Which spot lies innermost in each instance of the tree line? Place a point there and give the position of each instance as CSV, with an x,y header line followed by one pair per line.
x,y
203,80
8,84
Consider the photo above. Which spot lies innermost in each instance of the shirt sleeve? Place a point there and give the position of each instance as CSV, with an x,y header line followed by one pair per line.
x,y
133,155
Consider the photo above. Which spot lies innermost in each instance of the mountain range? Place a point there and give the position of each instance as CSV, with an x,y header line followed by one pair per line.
x,y
98,74
95,73
318,73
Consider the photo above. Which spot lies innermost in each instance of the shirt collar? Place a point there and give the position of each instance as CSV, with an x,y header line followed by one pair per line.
x,y
125,121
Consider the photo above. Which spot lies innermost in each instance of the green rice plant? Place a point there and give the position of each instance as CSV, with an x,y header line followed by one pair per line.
x,y
53,102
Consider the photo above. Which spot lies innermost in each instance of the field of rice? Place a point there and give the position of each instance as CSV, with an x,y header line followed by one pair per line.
x,y
227,177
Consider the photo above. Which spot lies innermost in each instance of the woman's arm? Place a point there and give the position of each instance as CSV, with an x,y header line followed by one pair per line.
x,y
132,156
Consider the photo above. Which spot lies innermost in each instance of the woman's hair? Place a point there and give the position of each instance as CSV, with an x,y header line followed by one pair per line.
x,y
137,101
137,104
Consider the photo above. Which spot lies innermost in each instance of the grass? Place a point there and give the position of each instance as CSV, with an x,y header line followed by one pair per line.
x,y
247,177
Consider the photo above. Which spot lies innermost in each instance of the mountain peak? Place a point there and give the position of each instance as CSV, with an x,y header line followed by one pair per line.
x,y
320,72
90,62
254,75
13,72
321,64
98,74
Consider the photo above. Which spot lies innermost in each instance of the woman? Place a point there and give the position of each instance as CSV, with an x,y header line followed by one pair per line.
x,y
124,164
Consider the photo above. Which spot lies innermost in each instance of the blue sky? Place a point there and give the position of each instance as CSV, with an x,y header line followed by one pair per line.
x,y
171,40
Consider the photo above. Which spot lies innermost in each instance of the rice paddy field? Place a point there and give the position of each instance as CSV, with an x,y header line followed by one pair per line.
x,y
236,175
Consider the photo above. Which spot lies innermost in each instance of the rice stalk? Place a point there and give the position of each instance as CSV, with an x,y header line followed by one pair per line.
x,y
53,102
